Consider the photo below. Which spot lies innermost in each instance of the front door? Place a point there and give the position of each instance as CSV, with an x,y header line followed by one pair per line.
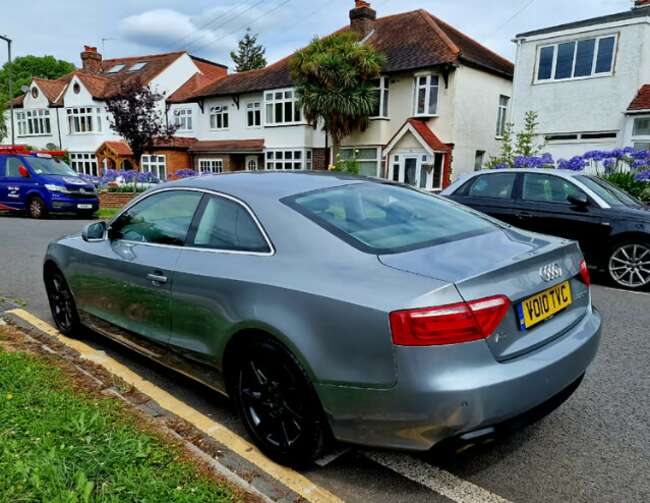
x,y
418,170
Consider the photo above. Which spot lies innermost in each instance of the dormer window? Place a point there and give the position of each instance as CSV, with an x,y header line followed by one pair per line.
x,y
115,68
34,92
576,59
426,95
138,66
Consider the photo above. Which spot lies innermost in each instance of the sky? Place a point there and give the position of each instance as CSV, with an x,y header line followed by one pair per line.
x,y
211,29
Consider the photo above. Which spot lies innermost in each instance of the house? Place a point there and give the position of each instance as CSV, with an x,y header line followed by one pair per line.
x,y
442,103
588,81
70,113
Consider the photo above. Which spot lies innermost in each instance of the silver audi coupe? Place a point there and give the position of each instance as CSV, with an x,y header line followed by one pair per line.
x,y
330,306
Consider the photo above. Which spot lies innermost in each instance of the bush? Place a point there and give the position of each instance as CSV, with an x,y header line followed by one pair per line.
x,y
630,184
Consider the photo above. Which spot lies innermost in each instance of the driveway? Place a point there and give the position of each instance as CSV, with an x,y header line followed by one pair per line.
x,y
594,448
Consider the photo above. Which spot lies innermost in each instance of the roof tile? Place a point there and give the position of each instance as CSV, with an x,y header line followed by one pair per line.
x,y
642,100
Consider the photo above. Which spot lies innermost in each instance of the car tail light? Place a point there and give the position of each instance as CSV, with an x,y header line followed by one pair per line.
x,y
450,324
584,273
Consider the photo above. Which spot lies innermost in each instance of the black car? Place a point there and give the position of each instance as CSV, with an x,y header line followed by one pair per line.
x,y
612,227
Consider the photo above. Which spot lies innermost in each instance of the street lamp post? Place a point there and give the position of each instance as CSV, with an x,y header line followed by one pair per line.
x,y
11,88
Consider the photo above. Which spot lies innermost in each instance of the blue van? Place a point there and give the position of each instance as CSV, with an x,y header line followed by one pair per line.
x,y
39,184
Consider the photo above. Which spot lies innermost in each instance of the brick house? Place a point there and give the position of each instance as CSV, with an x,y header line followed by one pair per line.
x,y
442,102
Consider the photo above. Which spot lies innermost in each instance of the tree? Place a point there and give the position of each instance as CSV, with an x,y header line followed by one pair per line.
x,y
24,68
134,115
250,54
3,121
525,144
332,79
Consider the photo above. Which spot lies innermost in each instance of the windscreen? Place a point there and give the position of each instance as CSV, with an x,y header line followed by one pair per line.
x,y
50,166
611,194
383,218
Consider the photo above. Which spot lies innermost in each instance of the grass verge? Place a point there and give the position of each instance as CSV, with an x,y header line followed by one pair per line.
x,y
106,213
60,443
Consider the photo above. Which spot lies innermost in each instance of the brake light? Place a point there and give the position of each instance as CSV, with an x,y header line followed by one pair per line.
x,y
449,324
584,273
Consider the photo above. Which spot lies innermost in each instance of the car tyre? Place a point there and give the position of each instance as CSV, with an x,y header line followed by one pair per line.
x,y
36,208
62,304
628,265
278,404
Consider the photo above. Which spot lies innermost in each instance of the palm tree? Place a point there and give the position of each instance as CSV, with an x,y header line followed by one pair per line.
x,y
332,79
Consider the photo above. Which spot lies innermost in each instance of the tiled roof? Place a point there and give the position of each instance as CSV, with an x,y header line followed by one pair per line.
x,y
17,102
122,149
228,146
409,41
51,88
642,99
429,136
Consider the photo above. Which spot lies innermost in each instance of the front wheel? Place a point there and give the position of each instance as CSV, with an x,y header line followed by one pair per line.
x,y
36,208
629,265
278,404
62,304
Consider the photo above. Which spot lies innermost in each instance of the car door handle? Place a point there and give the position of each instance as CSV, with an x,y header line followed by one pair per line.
x,y
524,214
157,278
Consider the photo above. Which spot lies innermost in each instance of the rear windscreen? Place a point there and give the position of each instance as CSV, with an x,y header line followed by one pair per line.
x,y
383,218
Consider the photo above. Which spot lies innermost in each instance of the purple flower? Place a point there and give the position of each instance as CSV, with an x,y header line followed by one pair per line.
x,y
643,176
596,155
503,165
576,163
639,164
185,173
639,154
545,161
129,176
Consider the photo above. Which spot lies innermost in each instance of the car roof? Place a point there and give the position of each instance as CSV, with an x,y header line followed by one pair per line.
x,y
268,184
544,171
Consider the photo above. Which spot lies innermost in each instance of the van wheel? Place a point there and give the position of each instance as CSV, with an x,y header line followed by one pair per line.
x,y
278,404
36,208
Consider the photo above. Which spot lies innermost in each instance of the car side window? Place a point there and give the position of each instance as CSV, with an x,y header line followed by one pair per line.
x,y
162,218
548,189
226,225
12,167
495,185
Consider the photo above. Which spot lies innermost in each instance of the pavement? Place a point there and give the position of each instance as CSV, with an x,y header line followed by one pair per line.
x,y
594,448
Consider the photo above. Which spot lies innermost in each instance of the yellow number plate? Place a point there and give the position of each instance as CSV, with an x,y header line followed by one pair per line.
x,y
544,305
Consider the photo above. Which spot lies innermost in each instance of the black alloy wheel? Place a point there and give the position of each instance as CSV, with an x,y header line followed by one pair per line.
x,y
278,404
62,305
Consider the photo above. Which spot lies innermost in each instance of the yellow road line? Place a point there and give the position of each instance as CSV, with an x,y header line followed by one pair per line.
x,y
290,478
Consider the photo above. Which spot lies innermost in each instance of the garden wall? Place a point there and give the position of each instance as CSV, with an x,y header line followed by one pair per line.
x,y
115,199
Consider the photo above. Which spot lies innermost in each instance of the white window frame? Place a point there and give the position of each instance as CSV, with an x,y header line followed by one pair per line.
x,y
377,159
155,164
287,159
428,95
397,169
640,138
219,117
84,120
383,90
576,41
281,96
183,118
502,115
211,165
33,122
254,110
254,163
84,162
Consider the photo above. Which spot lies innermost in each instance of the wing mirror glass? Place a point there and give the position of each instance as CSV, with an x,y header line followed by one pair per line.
x,y
94,232
579,200
22,170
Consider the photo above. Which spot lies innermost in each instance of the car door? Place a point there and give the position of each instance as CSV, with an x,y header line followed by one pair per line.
x,y
544,207
491,193
217,278
13,186
124,282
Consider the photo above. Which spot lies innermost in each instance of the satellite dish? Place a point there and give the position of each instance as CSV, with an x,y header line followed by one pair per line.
x,y
51,146
24,89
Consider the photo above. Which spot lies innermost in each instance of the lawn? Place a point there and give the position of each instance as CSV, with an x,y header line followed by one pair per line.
x,y
107,213
61,443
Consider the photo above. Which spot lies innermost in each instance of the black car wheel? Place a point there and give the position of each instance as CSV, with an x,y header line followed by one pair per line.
x,y
278,404
62,305
629,265
36,208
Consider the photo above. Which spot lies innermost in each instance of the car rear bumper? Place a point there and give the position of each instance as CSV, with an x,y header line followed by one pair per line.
x,y
448,391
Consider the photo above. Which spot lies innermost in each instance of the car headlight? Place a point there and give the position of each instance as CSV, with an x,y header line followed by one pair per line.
x,y
56,188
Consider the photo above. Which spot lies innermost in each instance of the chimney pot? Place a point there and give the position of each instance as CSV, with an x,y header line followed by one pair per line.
x,y
362,18
91,60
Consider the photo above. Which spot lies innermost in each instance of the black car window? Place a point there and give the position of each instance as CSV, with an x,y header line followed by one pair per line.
x,y
610,193
227,225
493,185
162,218
548,189
12,167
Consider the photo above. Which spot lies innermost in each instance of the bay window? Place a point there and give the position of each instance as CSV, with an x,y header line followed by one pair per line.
x,y
367,157
84,120
219,117
380,109
426,95
254,114
183,119
33,122
154,164
211,165
575,59
288,159
282,107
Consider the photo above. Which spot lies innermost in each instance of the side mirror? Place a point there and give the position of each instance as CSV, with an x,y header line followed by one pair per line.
x,y
578,200
22,170
94,232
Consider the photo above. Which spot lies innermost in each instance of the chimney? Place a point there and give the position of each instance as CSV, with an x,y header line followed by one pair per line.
x,y
641,3
362,18
91,60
